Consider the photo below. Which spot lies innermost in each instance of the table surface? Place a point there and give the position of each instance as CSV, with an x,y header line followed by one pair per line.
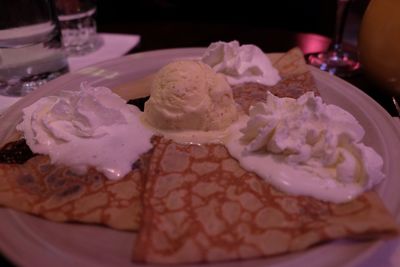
x,y
177,34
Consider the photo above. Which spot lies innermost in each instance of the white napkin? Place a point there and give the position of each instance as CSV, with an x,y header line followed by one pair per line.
x,y
114,45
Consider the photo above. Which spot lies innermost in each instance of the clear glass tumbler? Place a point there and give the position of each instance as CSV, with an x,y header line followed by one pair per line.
x,y
78,26
31,51
337,60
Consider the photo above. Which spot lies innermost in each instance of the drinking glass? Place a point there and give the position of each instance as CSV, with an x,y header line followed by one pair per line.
x,y
337,60
78,26
30,46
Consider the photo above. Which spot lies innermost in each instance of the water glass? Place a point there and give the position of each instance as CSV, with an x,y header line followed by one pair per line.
x,y
337,60
78,26
30,46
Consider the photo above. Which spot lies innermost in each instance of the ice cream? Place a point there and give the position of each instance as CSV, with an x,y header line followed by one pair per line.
x,y
306,147
92,127
189,95
240,64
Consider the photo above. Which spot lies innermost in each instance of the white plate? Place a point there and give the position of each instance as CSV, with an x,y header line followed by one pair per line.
x,y
32,241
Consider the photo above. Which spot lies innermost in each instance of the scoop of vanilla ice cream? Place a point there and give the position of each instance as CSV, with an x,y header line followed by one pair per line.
x,y
241,63
189,95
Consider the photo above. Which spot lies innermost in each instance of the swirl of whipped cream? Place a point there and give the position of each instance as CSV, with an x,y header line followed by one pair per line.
x,y
306,147
91,127
240,64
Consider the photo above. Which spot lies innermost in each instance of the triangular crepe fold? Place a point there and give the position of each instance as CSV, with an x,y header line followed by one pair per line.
x,y
58,194
201,206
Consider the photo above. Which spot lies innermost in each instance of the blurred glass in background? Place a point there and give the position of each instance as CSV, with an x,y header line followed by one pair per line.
x,y
337,59
78,26
30,46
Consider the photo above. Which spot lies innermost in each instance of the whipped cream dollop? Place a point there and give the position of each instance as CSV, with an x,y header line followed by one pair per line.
x,y
92,127
240,64
306,147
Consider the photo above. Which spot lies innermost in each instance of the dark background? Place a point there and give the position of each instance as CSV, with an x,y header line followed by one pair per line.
x,y
173,21
298,15
179,23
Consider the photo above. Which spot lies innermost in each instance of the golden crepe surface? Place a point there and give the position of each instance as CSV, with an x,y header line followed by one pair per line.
x,y
296,80
199,205
58,194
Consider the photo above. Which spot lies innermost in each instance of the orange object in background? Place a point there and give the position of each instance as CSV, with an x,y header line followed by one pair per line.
x,y
379,44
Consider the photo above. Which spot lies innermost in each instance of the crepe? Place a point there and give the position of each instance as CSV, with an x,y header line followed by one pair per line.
x,y
199,205
296,80
58,194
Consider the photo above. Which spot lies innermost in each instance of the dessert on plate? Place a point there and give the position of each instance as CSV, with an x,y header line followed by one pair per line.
x,y
234,157
202,204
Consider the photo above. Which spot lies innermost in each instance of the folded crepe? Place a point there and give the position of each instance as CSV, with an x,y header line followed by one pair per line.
x,y
200,205
58,194
296,80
